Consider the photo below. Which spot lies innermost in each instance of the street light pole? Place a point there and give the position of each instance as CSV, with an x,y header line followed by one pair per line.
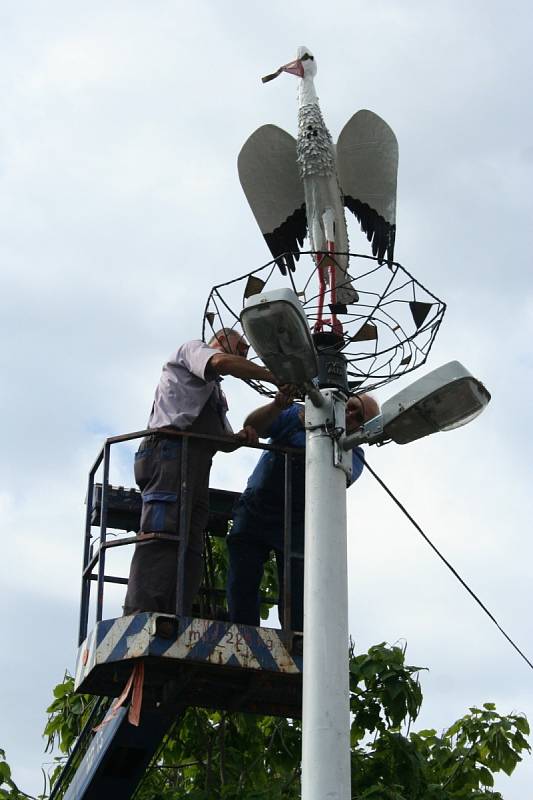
x,y
278,330
326,708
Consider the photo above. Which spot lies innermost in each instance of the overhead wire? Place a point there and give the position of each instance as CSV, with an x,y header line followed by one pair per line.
x,y
443,558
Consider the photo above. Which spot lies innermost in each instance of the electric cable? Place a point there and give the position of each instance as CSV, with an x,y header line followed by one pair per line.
x,y
442,558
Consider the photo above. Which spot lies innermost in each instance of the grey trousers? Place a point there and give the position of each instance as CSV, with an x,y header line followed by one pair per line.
x,y
154,567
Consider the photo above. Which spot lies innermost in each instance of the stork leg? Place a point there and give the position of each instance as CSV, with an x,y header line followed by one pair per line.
x,y
336,325
319,324
323,262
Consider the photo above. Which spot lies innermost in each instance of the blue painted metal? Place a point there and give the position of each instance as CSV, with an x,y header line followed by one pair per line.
x,y
85,583
202,641
103,533
119,754
204,662
215,664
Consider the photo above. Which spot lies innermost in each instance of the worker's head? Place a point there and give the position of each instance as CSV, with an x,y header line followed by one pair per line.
x,y
359,409
228,340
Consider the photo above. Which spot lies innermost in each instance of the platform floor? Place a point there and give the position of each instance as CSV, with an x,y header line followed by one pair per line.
x,y
202,662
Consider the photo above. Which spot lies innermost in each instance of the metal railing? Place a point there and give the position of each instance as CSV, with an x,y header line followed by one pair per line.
x,y
97,559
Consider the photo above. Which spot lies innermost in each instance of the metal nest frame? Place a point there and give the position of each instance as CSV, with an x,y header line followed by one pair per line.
x,y
387,333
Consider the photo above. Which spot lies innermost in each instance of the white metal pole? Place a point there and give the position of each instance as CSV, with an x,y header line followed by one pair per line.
x,y
326,710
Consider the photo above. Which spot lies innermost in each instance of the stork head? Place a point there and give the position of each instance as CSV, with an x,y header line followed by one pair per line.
x,y
307,60
304,65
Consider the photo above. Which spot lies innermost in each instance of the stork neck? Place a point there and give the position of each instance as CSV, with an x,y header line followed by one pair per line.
x,y
306,92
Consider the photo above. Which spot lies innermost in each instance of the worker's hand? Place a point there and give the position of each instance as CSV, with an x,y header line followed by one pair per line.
x,y
248,435
285,397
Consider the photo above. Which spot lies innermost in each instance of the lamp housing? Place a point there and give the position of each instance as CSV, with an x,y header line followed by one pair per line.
x,y
442,400
276,326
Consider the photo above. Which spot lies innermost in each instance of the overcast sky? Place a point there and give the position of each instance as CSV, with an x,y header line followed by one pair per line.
x,y
120,207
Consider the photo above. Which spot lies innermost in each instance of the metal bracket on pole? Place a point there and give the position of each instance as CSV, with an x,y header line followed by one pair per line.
x,y
333,402
327,414
370,433
342,459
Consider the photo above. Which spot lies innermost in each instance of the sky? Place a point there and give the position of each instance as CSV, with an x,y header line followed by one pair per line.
x,y
120,207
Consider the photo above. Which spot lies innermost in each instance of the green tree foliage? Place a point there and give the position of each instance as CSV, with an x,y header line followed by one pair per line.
x,y
67,714
8,788
221,755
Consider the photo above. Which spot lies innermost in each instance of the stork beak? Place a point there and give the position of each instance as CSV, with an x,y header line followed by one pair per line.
x,y
293,67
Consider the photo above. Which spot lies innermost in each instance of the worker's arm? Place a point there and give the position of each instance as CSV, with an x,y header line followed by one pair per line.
x,y
238,367
246,436
263,417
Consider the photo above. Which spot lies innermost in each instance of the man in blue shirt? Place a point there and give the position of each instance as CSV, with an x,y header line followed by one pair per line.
x,y
258,522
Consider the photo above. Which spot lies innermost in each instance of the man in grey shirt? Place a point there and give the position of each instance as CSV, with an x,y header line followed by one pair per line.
x,y
188,397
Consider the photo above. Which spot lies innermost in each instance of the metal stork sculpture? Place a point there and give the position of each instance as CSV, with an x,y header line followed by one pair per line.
x,y
295,187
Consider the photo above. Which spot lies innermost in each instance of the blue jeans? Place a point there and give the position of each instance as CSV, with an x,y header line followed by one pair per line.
x,y
251,540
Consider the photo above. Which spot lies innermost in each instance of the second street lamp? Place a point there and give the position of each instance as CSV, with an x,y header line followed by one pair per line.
x,y
442,400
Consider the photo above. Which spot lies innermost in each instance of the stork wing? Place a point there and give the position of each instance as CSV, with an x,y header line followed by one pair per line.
x,y
367,163
269,176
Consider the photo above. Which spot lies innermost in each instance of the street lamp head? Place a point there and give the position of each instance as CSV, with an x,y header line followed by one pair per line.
x,y
442,400
446,398
276,326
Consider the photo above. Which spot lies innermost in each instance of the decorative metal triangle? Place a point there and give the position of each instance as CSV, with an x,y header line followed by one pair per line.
x,y
419,311
253,286
365,334
338,308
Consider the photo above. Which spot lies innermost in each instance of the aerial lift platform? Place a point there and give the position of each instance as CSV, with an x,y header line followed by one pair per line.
x,y
177,661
